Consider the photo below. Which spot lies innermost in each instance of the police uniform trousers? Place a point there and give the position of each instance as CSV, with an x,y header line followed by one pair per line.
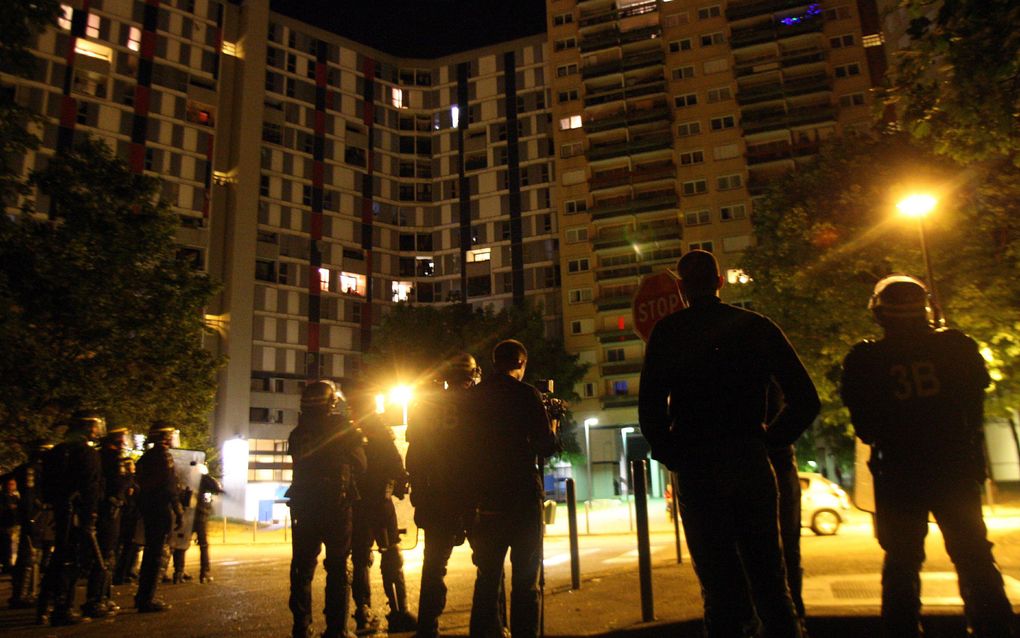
x,y
902,504
519,530
784,463
158,520
313,527
107,534
24,577
728,502
375,523
442,534
200,527
63,569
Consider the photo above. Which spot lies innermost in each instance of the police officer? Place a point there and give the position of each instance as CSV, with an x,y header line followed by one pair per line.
x,y
208,487
127,551
72,484
509,430
916,396
703,409
25,577
115,481
328,454
435,454
375,522
9,498
159,505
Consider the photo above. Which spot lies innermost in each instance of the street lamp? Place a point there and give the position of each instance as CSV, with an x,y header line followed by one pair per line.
x,y
401,395
918,206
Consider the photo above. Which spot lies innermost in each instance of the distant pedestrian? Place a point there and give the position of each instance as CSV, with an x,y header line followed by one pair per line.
x,y
159,504
328,455
509,431
703,408
437,456
916,396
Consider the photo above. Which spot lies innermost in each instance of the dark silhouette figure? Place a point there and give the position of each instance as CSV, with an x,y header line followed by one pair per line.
x,y
509,431
703,408
916,396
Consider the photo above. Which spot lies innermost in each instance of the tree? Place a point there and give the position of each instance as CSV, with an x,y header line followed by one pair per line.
x,y
826,233
20,22
412,342
97,309
958,81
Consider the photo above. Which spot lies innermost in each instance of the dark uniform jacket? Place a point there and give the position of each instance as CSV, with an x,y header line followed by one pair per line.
x,y
706,379
157,480
437,454
115,478
72,477
385,468
918,399
27,476
509,430
328,456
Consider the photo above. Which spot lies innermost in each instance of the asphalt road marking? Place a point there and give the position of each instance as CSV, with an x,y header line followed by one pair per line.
x,y
849,590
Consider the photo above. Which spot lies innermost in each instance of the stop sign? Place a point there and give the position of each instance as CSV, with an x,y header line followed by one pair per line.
x,y
657,296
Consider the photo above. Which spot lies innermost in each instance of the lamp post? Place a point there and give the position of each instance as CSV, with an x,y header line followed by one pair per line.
x,y
918,206
588,424
401,395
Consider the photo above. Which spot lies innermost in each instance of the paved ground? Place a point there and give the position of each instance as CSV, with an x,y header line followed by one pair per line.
x,y
841,588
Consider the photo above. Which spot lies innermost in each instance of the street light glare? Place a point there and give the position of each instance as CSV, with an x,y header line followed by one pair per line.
x,y
918,205
591,421
400,394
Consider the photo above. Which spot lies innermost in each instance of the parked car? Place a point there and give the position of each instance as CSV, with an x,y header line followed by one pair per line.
x,y
823,504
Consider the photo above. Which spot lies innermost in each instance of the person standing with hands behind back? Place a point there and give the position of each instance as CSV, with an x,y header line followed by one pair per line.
x,y
510,430
703,408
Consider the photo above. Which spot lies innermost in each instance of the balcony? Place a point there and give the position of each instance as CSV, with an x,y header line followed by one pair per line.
x,y
628,63
759,93
815,83
661,234
614,37
621,369
621,149
605,96
770,31
617,120
809,84
618,336
619,401
618,207
589,20
794,117
618,302
766,7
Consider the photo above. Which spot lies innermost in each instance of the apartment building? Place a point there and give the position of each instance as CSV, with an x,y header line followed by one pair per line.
x,y
319,180
322,181
671,116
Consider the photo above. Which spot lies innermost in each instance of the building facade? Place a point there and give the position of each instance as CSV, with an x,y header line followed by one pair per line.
x,y
322,181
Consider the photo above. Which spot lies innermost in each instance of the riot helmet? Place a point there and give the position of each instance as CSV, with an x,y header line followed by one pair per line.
x,y
323,395
117,436
461,370
161,432
88,422
900,299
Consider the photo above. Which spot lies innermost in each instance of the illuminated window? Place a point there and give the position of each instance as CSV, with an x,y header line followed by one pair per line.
x,y
64,19
737,276
352,284
455,115
134,39
402,290
324,279
479,254
92,27
873,40
229,48
398,98
570,123
93,50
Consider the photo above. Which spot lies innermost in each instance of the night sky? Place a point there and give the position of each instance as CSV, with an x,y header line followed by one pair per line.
x,y
421,28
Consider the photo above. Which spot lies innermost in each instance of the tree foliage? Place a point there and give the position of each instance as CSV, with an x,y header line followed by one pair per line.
x,y
958,81
826,233
413,341
97,309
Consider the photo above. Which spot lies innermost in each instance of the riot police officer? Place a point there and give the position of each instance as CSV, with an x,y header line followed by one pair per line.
x,y
25,577
435,455
159,504
916,396
128,548
208,486
72,484
328,454
115,483
375,523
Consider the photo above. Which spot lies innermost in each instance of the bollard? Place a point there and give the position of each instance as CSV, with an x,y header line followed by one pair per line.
x,y
575,555
637,470
587,518
675,515
286,519
254,528
224,529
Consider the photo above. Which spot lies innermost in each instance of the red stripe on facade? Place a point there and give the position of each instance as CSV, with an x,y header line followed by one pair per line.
x,y
148,48
137,158
143,95
207,201
313,337
68,111
316,227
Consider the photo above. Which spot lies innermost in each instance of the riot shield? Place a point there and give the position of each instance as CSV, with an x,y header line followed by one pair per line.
x,y
405,512
186,465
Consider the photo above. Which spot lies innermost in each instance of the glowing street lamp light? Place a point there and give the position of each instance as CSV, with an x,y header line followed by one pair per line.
x,y
588,424
401,395
918,206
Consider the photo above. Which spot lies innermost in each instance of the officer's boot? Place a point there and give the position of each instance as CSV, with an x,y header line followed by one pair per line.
x,y
203,574
399,619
